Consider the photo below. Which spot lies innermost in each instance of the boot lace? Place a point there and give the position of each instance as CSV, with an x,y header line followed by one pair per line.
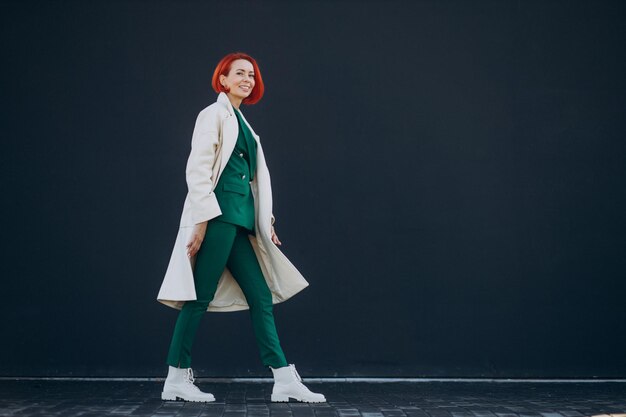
x,y
298,378
189,379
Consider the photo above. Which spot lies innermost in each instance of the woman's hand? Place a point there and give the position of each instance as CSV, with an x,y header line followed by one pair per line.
x,y
275,238
197,236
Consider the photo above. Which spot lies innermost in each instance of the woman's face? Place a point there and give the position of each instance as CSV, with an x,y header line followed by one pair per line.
x,y
240,79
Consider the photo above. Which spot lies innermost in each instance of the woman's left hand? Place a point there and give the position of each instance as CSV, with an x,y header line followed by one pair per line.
x,y
275,238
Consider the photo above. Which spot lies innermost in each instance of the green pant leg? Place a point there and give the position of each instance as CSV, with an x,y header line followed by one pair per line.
x,y
210,263
244,266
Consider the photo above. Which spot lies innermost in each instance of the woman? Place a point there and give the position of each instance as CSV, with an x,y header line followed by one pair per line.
x,y
226,257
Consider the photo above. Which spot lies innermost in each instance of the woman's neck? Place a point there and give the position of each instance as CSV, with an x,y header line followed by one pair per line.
x,y
235,101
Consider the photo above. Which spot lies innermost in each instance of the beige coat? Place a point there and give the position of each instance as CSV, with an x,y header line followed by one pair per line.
x,y
213,140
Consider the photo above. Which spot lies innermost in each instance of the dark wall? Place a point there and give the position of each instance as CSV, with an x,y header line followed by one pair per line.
x,y
448,176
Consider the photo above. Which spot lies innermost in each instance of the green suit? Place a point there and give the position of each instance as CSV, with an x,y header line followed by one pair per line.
x,y
226,244
233,188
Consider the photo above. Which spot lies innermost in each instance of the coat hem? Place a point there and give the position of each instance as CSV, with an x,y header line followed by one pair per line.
x,y
178,304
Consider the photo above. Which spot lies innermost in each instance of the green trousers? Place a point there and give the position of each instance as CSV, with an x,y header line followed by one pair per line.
x,y
227,245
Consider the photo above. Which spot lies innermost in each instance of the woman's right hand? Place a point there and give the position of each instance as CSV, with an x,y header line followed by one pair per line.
x,y
197,236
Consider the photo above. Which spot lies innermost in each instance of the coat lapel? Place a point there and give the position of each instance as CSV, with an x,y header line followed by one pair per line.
x,y
230,131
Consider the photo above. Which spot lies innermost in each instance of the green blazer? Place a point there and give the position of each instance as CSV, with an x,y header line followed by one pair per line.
x,y
233,188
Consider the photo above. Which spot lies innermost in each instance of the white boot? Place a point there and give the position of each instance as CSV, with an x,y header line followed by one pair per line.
x,y
288,384
179,384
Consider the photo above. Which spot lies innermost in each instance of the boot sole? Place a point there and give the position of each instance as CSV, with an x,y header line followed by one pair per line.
x,y
278,398
168,396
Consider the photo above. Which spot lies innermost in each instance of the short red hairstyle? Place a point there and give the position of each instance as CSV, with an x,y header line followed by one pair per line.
x,y
223,68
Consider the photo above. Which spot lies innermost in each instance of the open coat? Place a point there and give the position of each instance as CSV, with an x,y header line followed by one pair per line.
x,y
212,143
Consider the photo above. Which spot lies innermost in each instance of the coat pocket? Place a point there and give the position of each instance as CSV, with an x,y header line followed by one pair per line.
x,y
236,187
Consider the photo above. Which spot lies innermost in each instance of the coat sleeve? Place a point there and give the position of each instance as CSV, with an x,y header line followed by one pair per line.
x,y
199,171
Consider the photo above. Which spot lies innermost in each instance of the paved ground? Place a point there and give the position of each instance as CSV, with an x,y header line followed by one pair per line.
x,y
345,399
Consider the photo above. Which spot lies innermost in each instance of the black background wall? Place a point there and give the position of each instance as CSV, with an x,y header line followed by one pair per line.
x,y
448,176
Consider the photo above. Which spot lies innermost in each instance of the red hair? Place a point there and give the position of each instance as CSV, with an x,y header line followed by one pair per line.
x,y
223,68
